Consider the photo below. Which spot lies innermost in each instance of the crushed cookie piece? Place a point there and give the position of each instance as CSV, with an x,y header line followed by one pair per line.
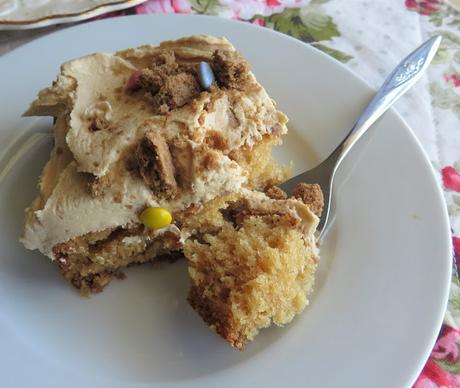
x,y
176,91
131,162
191,68
238,211
96,186
234,213
163,65
274,192
210,161
154,163
216,140
230,69
183,162
165,58
118,197
151,81
99,116
311,195
98,124
169,85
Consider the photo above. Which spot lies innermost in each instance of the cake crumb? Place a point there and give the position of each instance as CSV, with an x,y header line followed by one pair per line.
x,y
311,195
274,192
120,275
154,163
96,186
210,161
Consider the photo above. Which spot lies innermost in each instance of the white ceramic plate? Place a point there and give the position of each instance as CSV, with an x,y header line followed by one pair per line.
x,y
384,276
26,14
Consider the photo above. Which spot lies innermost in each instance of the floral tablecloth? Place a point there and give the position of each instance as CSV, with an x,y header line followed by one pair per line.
x,y
370,37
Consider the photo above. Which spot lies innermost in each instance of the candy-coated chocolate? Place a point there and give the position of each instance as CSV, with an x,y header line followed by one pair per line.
x,y
156,217
205,75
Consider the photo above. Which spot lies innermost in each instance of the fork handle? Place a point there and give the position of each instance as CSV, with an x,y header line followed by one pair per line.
x,y
401,79
395,85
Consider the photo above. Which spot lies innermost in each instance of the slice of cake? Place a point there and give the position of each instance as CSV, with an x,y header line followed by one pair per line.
x,y
135,130
166,151
256,265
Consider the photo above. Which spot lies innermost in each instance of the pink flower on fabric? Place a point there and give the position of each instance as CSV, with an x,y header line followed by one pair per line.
x,y
425,7
452,78
424,382
164,6
259,22
181,6
447,348
451,178
247,9
433,376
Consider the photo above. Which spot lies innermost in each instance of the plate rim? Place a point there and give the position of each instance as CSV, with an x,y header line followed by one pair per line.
x,y
424,157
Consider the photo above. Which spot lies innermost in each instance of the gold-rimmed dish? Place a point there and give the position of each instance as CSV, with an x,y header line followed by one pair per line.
x,y
26,14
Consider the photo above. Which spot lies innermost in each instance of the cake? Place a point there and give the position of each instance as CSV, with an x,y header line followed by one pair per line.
x,y
256,268
138,130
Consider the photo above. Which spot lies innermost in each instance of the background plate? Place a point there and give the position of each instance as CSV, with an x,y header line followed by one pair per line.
x,y
384,276
27,14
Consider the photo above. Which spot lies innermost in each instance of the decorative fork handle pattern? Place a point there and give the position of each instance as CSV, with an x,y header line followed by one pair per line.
x,y
395,85
408,70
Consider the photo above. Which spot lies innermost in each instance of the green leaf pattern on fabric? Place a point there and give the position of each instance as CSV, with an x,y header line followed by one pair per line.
x,y
206,7
337,54
309,24
446,94
319,25
445,97
452,368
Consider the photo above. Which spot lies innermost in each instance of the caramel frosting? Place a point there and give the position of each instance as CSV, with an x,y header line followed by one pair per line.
x,y
119,149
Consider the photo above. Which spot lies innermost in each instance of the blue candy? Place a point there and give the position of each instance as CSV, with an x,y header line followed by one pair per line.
x,y
205,75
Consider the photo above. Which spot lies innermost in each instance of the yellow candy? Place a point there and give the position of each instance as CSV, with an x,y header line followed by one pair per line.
x,y
155,217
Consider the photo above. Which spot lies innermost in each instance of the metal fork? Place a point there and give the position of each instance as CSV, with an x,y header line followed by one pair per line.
x,y
401,79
